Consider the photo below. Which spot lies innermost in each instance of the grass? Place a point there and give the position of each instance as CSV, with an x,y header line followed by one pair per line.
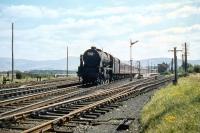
x,y
174,108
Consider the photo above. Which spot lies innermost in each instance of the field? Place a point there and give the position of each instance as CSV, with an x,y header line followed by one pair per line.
x,y
174,108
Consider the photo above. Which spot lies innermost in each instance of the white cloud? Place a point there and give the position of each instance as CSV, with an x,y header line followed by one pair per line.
x,y
182,30
108,11
141,14
163,6
184,11
103,33
109,28
147,20
29,11
157,43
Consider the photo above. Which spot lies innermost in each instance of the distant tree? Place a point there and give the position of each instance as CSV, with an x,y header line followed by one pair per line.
x,y
8,74
162,68
18,75
181,70
4,80
197,68
190,68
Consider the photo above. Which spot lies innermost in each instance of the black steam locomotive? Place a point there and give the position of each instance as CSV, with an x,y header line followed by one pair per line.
x,y
97,67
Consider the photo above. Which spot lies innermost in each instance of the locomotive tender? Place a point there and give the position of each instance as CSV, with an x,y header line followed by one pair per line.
x,y
97,66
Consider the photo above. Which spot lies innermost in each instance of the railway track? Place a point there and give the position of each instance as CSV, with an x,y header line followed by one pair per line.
x,y
36,100
60,113
22,91
32,101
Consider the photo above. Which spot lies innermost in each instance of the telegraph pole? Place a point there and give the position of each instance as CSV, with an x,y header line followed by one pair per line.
x,y
186,64
172,65
12,52
139,68
67,62
131,60
183,64
175,65
148,65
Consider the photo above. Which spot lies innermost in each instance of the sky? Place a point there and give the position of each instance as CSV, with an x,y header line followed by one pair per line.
x,y
44,28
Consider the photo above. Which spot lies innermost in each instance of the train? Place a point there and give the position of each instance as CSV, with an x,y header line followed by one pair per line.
x,y
98,67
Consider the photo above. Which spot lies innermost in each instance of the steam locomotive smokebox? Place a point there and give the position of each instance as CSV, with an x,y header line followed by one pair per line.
x,y
91,57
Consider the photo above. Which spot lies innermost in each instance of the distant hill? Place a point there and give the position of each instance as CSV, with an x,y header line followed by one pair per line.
x,y
26,65
60,64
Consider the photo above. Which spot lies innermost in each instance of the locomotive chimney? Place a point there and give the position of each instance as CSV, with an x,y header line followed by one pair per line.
x,y
93,47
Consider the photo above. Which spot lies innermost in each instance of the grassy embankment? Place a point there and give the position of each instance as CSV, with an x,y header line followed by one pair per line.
x,y
174,108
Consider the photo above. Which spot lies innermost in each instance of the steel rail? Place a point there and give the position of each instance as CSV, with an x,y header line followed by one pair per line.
x,y
34,90
35,96
31,87
71,93
45,102
39,95
27,87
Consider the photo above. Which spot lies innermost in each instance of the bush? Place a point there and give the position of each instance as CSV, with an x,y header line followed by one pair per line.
x,y
4,80
18,75
166,73
197,68
190,69
162,68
